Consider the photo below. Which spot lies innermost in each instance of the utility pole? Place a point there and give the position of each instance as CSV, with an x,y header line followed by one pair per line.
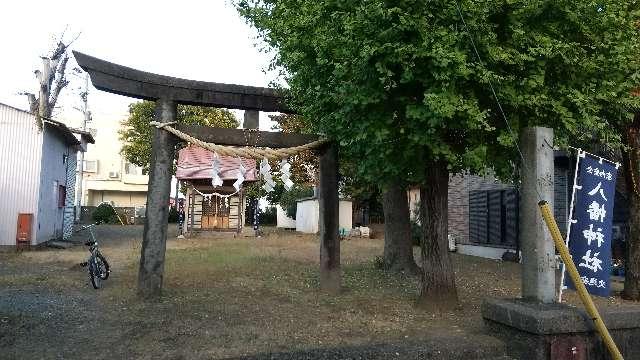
x,y
87,117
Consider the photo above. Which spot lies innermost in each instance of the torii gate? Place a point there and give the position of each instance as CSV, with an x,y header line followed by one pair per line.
x,y
167,92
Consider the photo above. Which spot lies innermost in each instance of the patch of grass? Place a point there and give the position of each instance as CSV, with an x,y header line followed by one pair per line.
x,y
229,297
218,257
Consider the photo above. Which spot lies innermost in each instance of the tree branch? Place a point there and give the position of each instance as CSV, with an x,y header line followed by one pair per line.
x,y
33,101
59,84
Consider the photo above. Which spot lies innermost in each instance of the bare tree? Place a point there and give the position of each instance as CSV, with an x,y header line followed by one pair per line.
x,y
52,80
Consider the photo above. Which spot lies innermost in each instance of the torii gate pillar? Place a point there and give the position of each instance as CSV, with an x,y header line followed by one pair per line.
x,y
330,273
251,119
154,238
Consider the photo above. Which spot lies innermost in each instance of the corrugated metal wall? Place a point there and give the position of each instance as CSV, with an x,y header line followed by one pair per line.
x,y
493,217
561,198
478,216
511,200
20,154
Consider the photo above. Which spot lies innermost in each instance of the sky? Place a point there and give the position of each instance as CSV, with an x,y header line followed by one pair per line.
x,y
201,40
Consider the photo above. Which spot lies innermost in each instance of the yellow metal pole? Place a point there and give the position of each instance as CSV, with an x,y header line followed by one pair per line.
x,y
575,276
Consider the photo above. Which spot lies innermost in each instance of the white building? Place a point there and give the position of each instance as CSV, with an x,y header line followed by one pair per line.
x,y
308,215
282,220
37,177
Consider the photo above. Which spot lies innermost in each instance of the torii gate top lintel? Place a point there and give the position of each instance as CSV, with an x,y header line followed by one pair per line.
x,y
123,80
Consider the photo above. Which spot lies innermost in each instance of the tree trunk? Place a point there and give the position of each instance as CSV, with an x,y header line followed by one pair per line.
x,y
398,247
631,158
438,288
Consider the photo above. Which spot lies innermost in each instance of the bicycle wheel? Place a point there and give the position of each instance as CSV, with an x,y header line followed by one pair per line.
x,y
103,267
94,273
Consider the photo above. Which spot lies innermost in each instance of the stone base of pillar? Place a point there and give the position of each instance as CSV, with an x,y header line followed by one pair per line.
x,y
538,331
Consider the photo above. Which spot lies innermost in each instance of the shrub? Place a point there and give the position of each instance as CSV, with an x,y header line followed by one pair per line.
x,y
289,199
105,214
173,215
268,216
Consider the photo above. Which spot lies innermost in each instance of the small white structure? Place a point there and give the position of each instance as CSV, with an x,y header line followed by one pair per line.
x,y
37,177
308,215
282,220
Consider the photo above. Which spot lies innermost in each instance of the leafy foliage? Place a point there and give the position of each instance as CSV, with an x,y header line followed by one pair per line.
x,y
398,83
268,216
137,135
303,165
289,199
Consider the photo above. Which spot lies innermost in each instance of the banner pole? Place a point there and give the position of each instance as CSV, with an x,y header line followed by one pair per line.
x,y
575,276
570,221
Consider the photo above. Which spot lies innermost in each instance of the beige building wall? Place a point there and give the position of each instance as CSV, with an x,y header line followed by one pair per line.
x,y
119,198
108,177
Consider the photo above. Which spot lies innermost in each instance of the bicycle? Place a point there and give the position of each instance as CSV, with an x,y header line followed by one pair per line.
x,y
98,265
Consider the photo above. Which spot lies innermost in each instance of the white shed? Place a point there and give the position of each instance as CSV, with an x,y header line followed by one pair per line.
x,y
308,215
37,177
282,220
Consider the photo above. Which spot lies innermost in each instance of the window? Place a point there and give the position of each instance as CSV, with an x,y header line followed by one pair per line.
x,y
90,166
62,195
132,169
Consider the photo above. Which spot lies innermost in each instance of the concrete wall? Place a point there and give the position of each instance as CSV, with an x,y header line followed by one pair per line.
x,y
345,214
487,252
282,220
308,212
53,173
20,151
307,220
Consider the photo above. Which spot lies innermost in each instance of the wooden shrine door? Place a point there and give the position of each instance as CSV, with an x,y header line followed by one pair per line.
x,y
215,213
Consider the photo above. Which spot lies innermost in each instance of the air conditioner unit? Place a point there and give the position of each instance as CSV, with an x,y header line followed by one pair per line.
x,y
113,174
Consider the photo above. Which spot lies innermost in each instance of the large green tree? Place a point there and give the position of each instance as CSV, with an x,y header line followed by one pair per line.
x,y
399,85
137,135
